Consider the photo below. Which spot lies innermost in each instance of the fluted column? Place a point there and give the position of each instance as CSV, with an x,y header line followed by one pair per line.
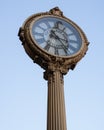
x,y
56,117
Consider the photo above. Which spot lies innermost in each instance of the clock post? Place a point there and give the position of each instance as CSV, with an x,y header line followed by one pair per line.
x,y
56,116
56,44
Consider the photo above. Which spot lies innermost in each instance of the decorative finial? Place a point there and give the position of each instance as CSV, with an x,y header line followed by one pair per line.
x,y
56,11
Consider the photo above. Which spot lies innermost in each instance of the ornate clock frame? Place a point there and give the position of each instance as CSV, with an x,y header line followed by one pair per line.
x,y
46,60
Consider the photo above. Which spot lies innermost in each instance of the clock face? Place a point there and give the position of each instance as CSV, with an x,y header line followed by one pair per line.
x,y
56,36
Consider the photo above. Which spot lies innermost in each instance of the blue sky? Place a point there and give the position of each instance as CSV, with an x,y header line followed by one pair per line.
x,y
23,91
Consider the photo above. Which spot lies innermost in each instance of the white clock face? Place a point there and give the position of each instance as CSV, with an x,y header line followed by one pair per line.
x,y
56,36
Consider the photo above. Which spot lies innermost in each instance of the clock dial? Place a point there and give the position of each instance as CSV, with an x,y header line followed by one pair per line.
x,y
56,36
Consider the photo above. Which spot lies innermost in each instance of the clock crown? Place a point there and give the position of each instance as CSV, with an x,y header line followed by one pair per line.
x,y
56,11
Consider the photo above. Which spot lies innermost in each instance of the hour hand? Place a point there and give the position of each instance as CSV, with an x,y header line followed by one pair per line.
x,y
57,37
63,39
52,34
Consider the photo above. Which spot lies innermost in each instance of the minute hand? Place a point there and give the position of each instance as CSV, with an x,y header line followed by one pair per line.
x,y
56,37
64,47
63,39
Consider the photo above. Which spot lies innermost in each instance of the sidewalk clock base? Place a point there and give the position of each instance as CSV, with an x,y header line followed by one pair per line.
x,y
57,44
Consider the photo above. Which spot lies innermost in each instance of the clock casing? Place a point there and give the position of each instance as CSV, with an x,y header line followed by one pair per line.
x,y
51,38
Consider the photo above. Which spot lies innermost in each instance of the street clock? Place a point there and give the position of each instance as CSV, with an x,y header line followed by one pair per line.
x,y
57,44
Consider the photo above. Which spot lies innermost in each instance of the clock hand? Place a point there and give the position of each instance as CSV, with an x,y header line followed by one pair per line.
x,y
63,39
55,36
64,47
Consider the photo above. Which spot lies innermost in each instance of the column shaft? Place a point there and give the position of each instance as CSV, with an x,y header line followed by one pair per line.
x,y
56,117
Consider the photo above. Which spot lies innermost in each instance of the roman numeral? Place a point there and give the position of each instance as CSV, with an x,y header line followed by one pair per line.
x,y
70,34
48,25
41,40
75,45
72,47
41,28
47,47
72,41
67,52
56,51
38,34
63,29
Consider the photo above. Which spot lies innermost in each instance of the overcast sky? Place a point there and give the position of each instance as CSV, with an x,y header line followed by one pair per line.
x,y
23,91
